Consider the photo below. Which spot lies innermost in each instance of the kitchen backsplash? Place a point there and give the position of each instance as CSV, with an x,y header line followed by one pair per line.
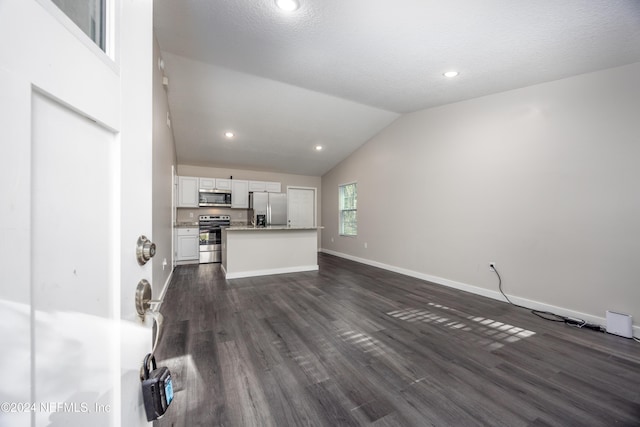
x,y
192,214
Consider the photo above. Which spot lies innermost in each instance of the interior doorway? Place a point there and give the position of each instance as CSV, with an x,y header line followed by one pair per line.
x,y
301,206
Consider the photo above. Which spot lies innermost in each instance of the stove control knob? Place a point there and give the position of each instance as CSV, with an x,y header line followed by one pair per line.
x,y
145,250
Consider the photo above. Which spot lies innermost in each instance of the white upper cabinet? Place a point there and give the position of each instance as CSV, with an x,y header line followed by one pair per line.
x,y
223,184
268,186
239,194
257,186
189,188
188,192
215,184
273,187
207,183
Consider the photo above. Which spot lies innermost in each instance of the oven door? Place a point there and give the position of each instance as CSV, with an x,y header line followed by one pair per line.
x,y
210,238
210,244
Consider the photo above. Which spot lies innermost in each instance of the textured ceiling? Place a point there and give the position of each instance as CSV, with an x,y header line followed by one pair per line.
x,y
337,72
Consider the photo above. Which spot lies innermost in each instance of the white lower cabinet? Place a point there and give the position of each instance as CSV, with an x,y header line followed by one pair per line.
x,y
187,245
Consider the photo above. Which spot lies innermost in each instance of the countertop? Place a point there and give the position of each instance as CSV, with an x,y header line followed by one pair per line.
x,y
267,228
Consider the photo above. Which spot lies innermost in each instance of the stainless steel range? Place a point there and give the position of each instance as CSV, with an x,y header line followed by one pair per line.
x,y
211,237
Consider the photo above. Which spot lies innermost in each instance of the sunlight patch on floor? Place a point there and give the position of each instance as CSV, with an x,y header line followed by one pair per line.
x,y
362,341
490,333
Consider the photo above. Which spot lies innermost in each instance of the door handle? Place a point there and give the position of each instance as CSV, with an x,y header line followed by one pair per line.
x,y
145,305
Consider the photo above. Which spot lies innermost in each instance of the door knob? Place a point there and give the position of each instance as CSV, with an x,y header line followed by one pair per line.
x,y
145,305
145,250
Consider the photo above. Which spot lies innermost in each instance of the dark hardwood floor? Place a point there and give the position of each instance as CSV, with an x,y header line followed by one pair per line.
x,y
355,345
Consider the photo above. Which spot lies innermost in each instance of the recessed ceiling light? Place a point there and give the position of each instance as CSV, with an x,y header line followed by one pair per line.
x,y
287,5
229,134
319,148
451,74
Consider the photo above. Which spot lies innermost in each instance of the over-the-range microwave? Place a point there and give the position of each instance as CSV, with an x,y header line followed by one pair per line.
x,y
218,198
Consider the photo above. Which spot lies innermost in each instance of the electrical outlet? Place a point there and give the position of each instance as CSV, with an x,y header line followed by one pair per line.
x,y
492,266
365,245
332,240
190,214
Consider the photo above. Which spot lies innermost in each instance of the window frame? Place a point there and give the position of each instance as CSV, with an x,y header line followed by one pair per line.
x,y
341,209
108,54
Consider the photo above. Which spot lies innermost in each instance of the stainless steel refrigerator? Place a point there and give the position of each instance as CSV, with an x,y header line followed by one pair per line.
x,y
273,205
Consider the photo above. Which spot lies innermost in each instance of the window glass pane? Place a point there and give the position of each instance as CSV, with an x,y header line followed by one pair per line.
x,y
349,223
88,15
348,196
348,210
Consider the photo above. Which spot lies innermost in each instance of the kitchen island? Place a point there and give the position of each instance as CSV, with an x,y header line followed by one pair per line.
x,y
259,251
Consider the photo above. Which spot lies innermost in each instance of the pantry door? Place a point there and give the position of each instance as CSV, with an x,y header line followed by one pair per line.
x,y
301,206
76,179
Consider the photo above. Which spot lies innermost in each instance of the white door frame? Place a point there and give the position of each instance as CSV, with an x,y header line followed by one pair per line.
x,y
174,215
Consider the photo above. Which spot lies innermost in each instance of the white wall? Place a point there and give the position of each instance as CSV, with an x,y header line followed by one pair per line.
x,y
164,157
542,180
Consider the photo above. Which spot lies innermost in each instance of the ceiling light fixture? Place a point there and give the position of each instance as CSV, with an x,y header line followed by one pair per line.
x,y
319,147
451,74
229,134
287,5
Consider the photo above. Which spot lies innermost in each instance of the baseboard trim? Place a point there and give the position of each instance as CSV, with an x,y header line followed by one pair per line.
x,y
535,305
269,272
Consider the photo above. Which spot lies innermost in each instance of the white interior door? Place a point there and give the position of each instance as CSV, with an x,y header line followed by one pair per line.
x,y
73,262
301,206
70,217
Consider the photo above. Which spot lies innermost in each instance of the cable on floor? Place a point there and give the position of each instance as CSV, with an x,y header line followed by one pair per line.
x,y
552,317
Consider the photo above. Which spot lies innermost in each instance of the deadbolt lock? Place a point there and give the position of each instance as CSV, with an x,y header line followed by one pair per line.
x,y
145,250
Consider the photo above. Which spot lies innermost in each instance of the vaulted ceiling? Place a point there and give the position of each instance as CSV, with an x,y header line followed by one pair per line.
x,y
334,73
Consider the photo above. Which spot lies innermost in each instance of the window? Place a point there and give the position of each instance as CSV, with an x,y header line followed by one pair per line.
x,y
348,209
88,15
